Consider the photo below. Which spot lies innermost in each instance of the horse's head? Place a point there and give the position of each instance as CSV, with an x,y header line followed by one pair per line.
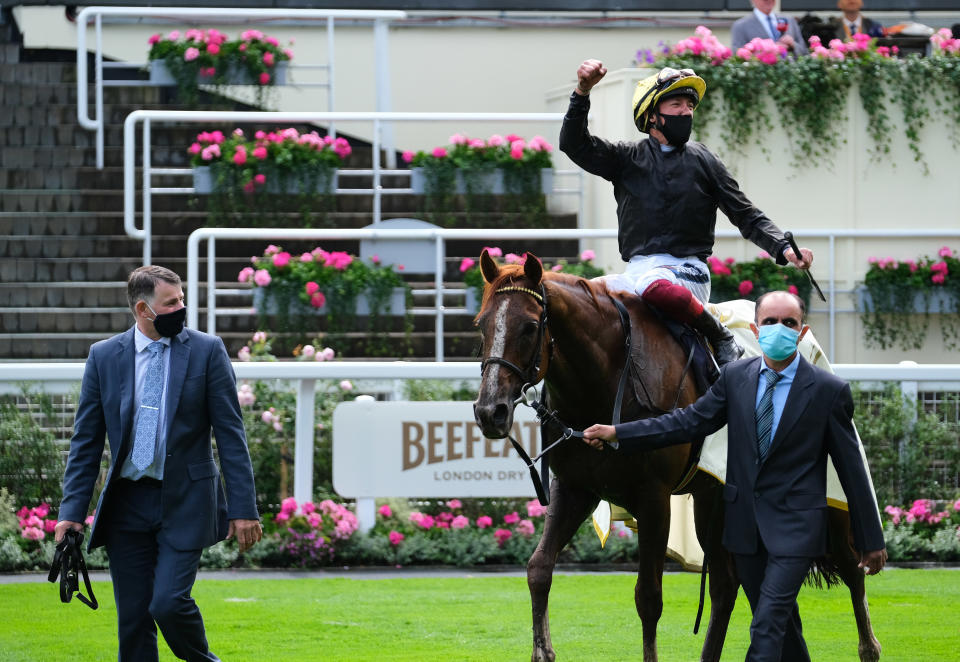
x,y
512,323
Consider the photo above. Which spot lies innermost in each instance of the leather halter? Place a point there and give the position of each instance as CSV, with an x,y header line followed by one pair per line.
x,y
531,374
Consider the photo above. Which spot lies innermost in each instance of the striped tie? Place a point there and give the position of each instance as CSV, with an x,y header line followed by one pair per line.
x,y
765,415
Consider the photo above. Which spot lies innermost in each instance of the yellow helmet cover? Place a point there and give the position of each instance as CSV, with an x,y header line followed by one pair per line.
x,y
669,82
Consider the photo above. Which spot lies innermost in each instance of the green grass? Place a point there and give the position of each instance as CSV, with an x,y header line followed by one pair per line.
x,y
480,617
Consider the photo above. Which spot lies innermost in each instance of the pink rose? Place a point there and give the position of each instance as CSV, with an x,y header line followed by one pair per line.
x,y
587,255
512,518
328,354
32,533
154,38
407,156
191,54
793,290
439,152
938,278
49,525
385,511
484,521
42,510
535,509
745,287
453,504
502,535
261,277
260,152
395,538
318,300
459,522
525,527
264,78
89,520
213,49
240,156
308,351
288,505
244,353
466,263
493,251
347,385
260,179
311,287
268,59
245,275
282,259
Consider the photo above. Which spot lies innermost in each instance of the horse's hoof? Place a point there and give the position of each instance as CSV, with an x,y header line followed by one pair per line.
x,y
543,655
870,653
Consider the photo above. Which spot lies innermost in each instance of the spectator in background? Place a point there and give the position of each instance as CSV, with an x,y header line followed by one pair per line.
x,y
853,22
763,23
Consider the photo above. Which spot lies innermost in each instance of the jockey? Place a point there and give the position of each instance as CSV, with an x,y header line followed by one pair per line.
x,y
668,191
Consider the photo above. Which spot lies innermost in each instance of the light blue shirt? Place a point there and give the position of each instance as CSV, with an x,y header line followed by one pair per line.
x,y
780,390
142,359
765,22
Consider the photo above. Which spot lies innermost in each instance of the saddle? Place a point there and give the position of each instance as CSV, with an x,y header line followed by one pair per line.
x,y
68,565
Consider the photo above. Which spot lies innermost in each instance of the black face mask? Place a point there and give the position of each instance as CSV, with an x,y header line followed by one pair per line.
x,y
169,325
676,128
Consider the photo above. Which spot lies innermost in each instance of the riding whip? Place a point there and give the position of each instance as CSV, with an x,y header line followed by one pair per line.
x,y
796,251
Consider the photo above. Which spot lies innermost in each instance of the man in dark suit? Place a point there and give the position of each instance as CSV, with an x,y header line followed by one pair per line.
x,y
853,22
784,417
763,23
155,391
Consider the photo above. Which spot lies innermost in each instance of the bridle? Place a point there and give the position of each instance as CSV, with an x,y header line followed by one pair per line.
x,y
532,373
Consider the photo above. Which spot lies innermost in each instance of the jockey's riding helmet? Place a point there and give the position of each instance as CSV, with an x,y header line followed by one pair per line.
x,y
668,83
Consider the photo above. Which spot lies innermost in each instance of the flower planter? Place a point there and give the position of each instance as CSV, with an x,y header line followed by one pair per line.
x,y
940,301
203,183
472,302
396,304
160,75
489,183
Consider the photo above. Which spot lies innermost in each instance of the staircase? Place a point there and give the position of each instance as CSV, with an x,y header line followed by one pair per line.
x,y
64,256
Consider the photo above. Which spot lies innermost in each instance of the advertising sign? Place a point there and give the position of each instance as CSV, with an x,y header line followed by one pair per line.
x,y
427,449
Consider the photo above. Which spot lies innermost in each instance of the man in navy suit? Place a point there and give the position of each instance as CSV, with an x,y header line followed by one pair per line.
x,y
155,391
762,24
784,417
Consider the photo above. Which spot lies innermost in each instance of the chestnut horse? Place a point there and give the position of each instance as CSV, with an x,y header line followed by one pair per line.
x,y
566,331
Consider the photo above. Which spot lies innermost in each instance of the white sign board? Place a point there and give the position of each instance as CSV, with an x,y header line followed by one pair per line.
x,y
427,449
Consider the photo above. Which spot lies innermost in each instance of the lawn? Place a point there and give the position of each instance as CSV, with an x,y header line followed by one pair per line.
x,y
477,617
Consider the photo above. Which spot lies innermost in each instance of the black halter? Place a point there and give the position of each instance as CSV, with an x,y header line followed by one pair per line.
x,y
529,374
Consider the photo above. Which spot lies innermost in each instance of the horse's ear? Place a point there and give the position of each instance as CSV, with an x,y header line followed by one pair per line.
x,y
488,267
532,268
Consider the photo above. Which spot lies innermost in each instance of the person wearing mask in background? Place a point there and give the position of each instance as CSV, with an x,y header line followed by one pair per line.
x,y
155,392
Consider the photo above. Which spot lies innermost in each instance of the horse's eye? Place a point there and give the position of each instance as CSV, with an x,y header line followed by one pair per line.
x,y
529,328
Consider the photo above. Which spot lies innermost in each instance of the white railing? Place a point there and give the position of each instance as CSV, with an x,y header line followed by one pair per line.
x,y
379,120
826,276
62,378
380,18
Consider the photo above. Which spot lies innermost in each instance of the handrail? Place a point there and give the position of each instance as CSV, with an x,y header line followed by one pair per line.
x,y
911,376
226,15
147,117
441,235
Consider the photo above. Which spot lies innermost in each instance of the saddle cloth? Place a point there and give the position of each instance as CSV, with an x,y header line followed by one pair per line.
x,y
682,544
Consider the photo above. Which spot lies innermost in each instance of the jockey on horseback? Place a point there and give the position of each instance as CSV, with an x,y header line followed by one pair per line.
x,y
668,191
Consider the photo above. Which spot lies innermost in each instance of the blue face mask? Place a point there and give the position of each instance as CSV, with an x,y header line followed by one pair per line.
x,y
777,341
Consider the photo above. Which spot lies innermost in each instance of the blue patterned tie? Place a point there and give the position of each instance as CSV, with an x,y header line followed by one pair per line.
x,y
146,439
765,414
773,27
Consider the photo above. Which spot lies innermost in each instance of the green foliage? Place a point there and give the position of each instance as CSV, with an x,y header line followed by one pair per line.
x,y
901,295
208,57
810,93
730,279
438,390
31,465
295,289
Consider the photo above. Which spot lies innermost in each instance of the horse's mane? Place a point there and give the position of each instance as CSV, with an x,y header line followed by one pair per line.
x,y
595,291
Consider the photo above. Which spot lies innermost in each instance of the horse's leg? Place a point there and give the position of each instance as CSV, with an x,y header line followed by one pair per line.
x,y
841,551
653,529
708,515
568,508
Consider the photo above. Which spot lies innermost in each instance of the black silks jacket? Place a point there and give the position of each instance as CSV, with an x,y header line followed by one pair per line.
x,y
666,201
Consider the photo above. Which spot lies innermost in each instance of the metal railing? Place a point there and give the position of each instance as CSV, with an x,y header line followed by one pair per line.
x,y
62,377
440,236
380,18
379,120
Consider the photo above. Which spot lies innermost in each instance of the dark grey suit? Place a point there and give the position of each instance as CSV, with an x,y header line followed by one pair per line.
x,y
776,512
154,535
748,28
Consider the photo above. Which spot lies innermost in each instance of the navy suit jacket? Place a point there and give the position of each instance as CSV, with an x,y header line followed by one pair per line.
x,y
785,498
201,395
747,28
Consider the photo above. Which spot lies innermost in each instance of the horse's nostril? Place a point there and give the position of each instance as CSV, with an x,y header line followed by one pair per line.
x,y
500,413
